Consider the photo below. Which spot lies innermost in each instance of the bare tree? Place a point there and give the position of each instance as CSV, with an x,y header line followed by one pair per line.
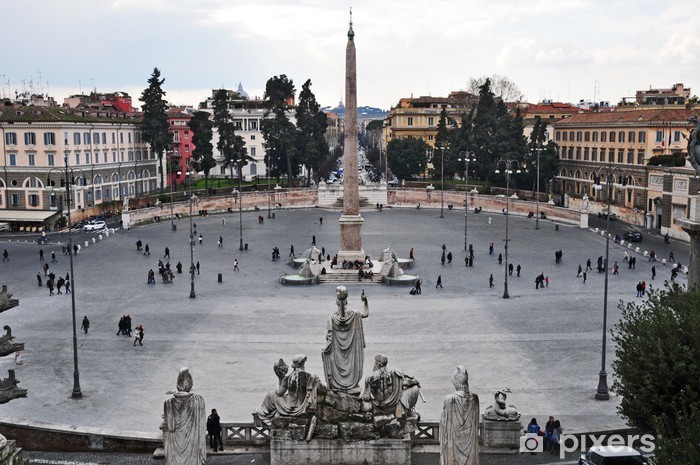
x,y
501,86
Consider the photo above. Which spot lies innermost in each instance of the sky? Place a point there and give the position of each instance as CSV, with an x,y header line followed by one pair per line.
x,y
563,50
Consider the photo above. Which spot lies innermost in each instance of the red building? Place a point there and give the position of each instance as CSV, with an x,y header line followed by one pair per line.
x,y
182,147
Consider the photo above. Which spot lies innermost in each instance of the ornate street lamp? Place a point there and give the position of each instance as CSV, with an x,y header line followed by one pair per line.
x,y
538,149
68,176
508,169
466,157
188,175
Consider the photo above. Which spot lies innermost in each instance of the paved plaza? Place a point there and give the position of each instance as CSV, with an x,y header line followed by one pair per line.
x,y
545,345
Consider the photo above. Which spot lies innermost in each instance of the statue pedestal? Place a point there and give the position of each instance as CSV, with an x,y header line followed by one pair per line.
x,y
10,454
501,436
339,452
351,238
692,227
583,224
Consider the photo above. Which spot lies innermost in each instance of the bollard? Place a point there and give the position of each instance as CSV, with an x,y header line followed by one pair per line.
x,y
556,227
663,262
86,243
174,227
273,214
93,240
246,246
221,278
99,237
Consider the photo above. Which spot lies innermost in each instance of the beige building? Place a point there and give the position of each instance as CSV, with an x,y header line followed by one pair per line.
x,y
108,159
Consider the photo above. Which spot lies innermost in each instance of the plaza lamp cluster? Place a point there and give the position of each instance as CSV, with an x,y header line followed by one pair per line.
x,y
510,166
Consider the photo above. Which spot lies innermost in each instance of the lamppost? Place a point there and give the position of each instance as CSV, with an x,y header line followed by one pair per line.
x,y
188,175
68,176
508,170
602,392
538,149
170,181
442,148
466,157
240,204
269,192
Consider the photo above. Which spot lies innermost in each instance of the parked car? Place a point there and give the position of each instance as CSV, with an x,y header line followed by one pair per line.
x,y
633,236
393,183
94,226
612,455
613,216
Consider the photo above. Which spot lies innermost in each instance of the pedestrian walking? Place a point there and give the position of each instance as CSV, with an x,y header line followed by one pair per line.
x,y
442,259
223,221
200,239
439,282
147,250
580,270
313,239
419,280
653,272
235,265
320,220
500,258
138,335
410,254
5,256
491,249
221,241
546,281
167,253
38,279
449,257
510,269
588,265
49,284
491,280
517,269
86,324
670,257
41,255
214,431
197,265
633,260
53,257
291,251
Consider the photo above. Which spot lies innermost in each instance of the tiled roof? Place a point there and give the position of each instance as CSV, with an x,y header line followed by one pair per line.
x,y
621,117
25,114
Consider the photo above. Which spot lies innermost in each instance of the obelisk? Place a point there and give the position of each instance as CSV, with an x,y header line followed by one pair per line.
x,y
350,220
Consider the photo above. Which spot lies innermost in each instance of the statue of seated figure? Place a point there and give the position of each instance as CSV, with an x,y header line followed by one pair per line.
x,y
389,392
499,410
296,394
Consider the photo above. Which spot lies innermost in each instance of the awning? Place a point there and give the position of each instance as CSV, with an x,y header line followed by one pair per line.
x,y
25,216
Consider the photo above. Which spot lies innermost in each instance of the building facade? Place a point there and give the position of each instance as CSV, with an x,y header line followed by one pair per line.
x,y
180,152
590,144
108,159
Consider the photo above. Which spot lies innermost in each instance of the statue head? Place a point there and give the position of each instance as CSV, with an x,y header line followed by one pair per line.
x,y
184,380
380,361
460,379
341,297
298,361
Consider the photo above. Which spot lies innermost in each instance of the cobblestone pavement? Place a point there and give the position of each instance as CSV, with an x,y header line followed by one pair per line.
x,y
545,345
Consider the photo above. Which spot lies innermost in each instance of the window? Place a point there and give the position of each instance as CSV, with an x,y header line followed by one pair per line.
x,y
29,138
86,138
252,151
11,138
238,125
585,153
410,121
128,137
630,137
51,159
121,137
137,137
676,136
630,156
594,154
77,158
659,136
586,136
96,137
571,136
253,125
49,138
640,157
31,159
88,158
114,138
431,121
14,200
578,136
558,135
104,157
187,149
621,137
602,154
65,138
253,169
612,136
121,155
138,155
104,137
76,138
578,153
571,153
642,137
131,155
114,156
595,136
620,156
430,137
187,135
252,137
13,159
33,200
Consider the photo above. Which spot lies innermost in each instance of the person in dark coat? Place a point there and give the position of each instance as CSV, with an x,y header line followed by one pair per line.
x,y
214,430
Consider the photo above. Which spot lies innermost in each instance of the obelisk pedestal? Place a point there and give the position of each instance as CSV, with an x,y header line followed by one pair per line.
x,y
351,220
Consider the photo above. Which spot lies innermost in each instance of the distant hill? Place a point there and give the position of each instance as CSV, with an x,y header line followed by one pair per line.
x,y
363,112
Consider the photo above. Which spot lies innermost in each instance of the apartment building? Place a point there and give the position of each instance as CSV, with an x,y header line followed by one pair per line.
x,y
107,158
180,152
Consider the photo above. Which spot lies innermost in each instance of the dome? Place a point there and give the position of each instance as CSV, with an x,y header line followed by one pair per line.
x,y
241,92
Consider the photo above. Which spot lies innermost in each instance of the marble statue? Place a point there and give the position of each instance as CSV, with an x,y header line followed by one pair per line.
x,y
296,394
305,270
388,391
395,271
499,410
184,432
6,300
125,204
459,423
8,347
388,255
343,356
9,389
585,204
693,148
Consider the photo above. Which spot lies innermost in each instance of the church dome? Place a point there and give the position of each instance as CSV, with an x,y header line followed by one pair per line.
x,y
241,92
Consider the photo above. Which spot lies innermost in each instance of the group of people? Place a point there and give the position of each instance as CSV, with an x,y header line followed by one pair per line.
x,y
551,436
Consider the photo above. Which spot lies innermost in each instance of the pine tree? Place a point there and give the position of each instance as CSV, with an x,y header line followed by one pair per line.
x,y
155,119
278,131
203,154
311,130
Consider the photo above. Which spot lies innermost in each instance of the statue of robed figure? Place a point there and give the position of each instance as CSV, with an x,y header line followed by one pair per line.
x,y
459,423
184,433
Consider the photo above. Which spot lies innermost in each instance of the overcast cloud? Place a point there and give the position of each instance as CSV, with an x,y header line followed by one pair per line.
x,y
563,50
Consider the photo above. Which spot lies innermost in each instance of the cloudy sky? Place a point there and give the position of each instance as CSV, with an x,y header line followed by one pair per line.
x,y
565,50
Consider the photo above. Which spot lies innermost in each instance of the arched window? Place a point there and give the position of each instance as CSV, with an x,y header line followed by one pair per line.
x,y
98,179
253,169
33,183
131,176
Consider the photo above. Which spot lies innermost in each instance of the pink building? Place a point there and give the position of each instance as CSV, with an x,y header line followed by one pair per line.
x,y
182,147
